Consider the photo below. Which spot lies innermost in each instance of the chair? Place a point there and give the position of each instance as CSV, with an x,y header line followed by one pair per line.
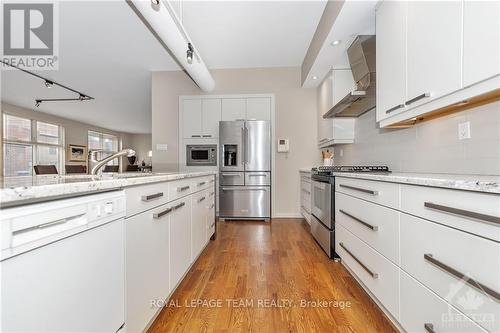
x,y
45,169
132,168
75,169
111,168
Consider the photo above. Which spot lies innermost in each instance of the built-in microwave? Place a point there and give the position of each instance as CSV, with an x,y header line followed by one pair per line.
x,y
201,155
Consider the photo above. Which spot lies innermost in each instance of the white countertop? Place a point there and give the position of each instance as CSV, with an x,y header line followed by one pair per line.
x,y
477,183
23,190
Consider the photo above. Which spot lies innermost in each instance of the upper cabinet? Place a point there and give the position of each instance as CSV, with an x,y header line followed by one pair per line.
x,y
201,118
259,108
481,40
233,109
191,112
426,62
210,117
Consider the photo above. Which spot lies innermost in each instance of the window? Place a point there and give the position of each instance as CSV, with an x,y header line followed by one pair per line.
x,y
30,142
106,142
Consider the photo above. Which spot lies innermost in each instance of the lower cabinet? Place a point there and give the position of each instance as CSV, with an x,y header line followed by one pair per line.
x,y
180,240
198,223
305,195
147,265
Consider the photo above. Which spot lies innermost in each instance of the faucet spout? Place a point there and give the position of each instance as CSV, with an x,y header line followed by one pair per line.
x,y
97,165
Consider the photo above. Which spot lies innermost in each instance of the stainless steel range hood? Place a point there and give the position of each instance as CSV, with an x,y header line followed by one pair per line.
x,y
361,55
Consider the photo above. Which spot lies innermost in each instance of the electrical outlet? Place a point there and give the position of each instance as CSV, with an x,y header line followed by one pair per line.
x,y
161,147
464,131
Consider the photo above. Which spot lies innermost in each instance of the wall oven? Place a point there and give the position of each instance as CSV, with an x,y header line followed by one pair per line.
x,y
323,209
201,155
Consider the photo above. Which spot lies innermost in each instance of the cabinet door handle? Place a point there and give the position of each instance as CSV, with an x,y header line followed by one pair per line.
x,y
429,328
150,197
202,183
181,189
162,213
201,199
397,107
462,212
212,194
359,189
179,205
196,136
231,175
47,224
368,225
418,98
212,225
207,136
473,283
243,189
259,175
373,275
212,206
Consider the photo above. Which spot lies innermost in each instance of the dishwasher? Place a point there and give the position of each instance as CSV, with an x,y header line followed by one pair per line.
x,y
62,265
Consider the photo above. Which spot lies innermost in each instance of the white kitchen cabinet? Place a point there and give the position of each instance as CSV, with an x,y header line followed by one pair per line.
x,y
391,58
147,255
434,50
343,84
192,115
210,221
180,240
258,108
210,117
198,223
481,40
233,109
305,195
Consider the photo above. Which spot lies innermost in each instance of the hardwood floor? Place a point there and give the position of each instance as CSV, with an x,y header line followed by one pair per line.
x,y
258,277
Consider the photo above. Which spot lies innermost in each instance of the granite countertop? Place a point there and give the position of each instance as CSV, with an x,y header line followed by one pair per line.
x,y
477,183
29,189
305,169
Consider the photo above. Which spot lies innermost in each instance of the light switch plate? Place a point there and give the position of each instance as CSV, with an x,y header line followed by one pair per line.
x,y
464,131
161,147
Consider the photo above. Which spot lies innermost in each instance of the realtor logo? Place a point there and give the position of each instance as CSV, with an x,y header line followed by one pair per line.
x,y
29,35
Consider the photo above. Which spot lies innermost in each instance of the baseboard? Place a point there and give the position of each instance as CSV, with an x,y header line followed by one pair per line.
x,y
287,216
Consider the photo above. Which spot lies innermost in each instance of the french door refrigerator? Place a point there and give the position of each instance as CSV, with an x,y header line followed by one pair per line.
x,y
245,169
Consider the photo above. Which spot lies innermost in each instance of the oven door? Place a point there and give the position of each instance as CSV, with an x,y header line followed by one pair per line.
x,y
321,196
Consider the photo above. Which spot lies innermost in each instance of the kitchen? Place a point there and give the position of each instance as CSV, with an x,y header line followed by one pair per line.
x,y
345,179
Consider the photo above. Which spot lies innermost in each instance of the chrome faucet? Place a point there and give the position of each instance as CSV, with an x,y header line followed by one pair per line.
x,y
95,166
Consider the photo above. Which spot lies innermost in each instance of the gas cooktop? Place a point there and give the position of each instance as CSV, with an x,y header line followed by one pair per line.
x,y
327,170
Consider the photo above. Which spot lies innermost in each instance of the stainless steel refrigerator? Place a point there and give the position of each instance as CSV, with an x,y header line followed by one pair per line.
x,y
245,169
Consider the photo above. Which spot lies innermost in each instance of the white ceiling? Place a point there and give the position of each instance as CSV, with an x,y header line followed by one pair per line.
x,y
108,53
355,18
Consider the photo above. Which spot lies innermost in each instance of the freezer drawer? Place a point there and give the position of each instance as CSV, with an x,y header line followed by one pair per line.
x,y
245,202
232,178
258,178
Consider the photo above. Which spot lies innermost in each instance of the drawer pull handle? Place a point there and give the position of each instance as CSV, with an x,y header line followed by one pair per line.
x,y
466,213
373,275
180,189
201,199
207,136
196,136
473,283
212,194
180,205
162,213
212,206
47,224
429,328
243,189
202,183
152,196
368,225
397,107
359,189
212,225
231,175
259,175
418,98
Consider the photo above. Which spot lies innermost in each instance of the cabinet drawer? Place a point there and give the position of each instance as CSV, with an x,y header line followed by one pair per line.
x,y
420,307
179,189
382,193
438,256
258,178
232,178
470,211
305,176
376,225
377,273
305,203
144,197
305,187
202,183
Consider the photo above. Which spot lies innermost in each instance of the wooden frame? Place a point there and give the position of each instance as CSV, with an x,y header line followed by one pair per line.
x,y
76,153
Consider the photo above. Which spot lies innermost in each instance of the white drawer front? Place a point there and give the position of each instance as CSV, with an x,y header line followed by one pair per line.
x,y
376,225
306,176
422,201
420,307
382,193
377,273
144,197
179,188
305,187
473,256
202,183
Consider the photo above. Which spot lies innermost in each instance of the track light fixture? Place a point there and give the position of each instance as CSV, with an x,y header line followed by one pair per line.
x,y
155,2
49,84
189,53
37,103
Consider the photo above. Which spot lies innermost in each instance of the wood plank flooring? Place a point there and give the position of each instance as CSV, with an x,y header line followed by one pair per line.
x,y
258,277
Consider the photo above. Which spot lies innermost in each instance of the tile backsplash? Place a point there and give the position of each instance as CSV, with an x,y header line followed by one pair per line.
x,y
430,147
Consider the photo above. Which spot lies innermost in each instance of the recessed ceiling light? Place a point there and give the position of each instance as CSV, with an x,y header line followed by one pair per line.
x,y
336,42
314,77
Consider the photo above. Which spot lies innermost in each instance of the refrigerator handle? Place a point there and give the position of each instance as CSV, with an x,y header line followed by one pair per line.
x,y
244,155
246,146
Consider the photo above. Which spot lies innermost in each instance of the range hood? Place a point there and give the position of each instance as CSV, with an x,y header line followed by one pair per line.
x,y
361,55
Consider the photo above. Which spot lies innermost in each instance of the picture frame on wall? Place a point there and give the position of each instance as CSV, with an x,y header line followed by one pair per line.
x,y
77,153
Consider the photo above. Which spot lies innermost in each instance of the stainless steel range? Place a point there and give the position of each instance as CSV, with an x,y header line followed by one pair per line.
x,y
323,202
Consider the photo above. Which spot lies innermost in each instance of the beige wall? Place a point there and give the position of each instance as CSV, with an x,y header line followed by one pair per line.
x,y
295,120
430,147
141,143
75,132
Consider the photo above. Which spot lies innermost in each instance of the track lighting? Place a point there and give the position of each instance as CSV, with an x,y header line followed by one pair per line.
x,y
155,2
81,98
37,103
189,54
49,84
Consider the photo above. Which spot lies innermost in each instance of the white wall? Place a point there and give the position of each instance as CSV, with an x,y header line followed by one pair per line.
x,y
295,120
430,147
